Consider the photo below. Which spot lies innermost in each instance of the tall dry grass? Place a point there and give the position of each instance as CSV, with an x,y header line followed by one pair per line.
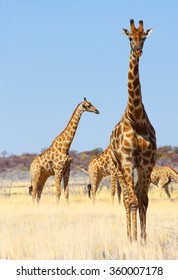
x,y
84,232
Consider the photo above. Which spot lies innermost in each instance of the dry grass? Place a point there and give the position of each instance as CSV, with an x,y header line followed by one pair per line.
x,y
84,232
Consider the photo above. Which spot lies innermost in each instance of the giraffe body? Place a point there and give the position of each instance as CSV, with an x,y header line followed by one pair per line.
x,y
133,141
56,161
162,176
99,167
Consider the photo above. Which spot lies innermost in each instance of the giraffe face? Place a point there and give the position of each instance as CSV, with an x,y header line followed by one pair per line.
x,y
88,107
137,37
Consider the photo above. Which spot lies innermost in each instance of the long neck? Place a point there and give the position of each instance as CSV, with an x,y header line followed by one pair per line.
x,y
134,106
64,140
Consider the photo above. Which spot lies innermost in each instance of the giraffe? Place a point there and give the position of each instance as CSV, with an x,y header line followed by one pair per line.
x,y
162,176
56,159
101,166
133,141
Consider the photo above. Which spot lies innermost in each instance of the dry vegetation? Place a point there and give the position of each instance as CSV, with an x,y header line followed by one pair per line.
x,y
81,231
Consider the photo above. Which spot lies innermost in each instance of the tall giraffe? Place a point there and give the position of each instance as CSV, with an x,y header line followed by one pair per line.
x,y
133,141
162,177
101,166
56,159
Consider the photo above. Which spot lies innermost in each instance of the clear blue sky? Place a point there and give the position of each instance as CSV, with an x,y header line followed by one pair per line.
x,y
55,53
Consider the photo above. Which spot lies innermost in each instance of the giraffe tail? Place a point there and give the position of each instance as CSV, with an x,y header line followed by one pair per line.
x,y
89,185
30,190
89,190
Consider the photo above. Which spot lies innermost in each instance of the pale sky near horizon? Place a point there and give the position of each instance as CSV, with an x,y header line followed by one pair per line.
x,y
55,53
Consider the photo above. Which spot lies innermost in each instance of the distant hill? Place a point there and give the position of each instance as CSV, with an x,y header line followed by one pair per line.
x,y
166,155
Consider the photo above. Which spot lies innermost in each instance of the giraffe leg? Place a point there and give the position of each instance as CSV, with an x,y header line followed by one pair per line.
x,y
113,187
58,178
133,201
141,190
36,177
142,214
95,180
66,179
39,192
163,184
118,191
166,188
130,203
128,219
38,187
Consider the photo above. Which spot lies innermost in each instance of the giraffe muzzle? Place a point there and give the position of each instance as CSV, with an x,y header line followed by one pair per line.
x,y
137,51
97,112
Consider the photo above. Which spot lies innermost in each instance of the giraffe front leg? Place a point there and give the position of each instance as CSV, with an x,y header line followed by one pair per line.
x,y
141,189
142,214
130,206
133,201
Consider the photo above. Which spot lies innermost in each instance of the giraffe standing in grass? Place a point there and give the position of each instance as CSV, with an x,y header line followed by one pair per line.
x,y
56,159
162,177
101,166
133,141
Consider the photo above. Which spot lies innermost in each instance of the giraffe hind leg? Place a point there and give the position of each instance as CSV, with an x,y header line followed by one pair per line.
x,y
66,180
113,187
166,188
118,191
37,187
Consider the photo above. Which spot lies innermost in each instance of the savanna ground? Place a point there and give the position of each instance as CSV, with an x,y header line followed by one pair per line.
x,y
82,231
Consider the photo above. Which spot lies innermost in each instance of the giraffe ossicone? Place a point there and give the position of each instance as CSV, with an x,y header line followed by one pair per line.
x,y
56,161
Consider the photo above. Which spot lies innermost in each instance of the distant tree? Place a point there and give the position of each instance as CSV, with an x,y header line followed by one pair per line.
x,y
4,153
97,151
175,149
165,149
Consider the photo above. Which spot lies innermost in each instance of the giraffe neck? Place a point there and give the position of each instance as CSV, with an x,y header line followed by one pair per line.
x,y
64,140
135,105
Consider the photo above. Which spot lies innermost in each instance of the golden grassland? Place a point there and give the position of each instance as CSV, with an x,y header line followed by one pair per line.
x,y
82,231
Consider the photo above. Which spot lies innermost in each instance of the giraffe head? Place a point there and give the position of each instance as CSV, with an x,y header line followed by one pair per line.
x,y
137,37
88,107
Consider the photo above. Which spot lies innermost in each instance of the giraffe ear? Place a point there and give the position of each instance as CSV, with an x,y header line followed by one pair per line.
x,y
125,32
148,32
